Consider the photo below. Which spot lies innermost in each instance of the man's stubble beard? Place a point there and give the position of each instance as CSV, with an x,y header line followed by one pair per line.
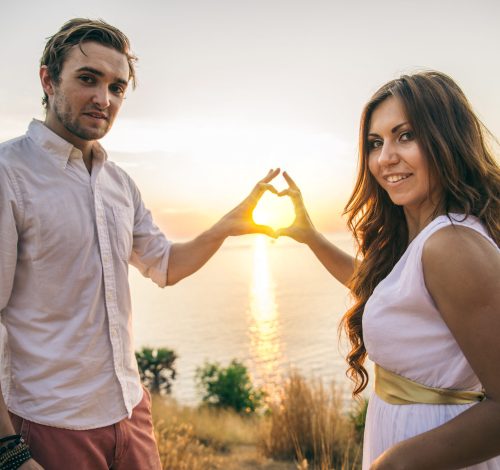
x,y
71,123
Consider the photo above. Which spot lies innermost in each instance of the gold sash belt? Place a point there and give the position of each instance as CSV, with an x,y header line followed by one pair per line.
x,y
399,390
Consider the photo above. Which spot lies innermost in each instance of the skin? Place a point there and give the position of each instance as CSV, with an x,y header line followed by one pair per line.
x,y
338,263
82,106
462,275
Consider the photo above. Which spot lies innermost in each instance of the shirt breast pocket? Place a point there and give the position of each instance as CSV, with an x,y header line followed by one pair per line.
x,y
124,230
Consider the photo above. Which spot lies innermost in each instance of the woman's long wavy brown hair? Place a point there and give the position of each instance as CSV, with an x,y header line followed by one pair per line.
x,y
455,143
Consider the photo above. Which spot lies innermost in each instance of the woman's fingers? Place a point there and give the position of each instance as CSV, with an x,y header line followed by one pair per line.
x,y
296,199
283,232
290,181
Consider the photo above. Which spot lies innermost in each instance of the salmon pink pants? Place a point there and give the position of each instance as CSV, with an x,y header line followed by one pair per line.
x,y
127,445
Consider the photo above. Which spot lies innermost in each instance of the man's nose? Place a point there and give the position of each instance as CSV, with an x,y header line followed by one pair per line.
x,y
101,97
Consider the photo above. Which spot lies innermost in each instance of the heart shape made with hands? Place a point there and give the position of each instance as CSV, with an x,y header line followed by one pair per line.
x,y
274,211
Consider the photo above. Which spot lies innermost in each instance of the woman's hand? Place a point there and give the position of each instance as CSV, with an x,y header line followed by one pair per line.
x,y
302,229
379,464
391,460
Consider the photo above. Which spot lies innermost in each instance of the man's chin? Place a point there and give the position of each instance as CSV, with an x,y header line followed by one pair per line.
x,y
97,134
91,133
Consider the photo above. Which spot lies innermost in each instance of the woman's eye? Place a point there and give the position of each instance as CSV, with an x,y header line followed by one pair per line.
x,y
374,144
407,135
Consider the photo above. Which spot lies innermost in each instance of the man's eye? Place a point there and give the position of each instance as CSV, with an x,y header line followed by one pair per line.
x,y
117,90
86,78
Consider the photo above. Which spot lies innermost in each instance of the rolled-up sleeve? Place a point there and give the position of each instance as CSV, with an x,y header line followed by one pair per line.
x,y
151,248
10,215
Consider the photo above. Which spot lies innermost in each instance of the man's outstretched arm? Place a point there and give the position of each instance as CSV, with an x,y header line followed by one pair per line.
x,y
186,258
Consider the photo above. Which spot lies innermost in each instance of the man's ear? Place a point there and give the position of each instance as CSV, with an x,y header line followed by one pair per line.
x,y
47,84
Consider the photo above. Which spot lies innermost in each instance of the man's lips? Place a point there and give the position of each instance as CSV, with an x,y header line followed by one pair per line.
x,y
96,115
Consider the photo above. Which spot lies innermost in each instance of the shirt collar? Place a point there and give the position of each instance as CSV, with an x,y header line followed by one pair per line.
x,y
58,148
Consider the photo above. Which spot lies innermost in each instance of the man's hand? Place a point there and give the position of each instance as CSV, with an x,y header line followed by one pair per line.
x,y
239,221
186,258
30,464
302,229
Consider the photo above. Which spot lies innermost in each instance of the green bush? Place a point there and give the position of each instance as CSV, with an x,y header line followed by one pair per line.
x,y
156,368
228,387
357,416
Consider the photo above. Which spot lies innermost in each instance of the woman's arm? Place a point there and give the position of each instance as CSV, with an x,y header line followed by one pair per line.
x,y
338,263
462,274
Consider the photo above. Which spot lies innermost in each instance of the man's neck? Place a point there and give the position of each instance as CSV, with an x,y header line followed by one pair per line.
x,y
88,162
85,146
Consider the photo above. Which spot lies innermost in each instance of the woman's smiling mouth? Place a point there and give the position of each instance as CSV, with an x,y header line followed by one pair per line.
x,y
397,177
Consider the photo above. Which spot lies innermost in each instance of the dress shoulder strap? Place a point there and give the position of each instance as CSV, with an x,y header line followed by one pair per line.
x,y
470,221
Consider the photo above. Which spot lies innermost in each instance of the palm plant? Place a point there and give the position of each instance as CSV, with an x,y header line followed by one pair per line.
x,y
156,368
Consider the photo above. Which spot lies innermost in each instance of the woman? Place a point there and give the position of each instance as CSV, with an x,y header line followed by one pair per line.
x,y
425,212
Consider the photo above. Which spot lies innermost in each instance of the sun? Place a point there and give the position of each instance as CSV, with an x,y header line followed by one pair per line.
x,y
273,211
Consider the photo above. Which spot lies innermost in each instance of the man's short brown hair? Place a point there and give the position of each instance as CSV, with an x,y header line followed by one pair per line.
x,y
76,32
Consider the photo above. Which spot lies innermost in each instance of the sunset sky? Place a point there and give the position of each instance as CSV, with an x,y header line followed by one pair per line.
x,y
230,88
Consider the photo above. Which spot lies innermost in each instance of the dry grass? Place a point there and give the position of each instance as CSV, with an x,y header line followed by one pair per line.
x,y
181,450
208,439
308,424
219,429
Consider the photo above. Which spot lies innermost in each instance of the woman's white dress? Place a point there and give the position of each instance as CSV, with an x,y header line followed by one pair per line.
x,y
404,333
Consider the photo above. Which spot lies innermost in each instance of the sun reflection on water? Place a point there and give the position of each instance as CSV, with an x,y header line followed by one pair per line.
x,y
264,322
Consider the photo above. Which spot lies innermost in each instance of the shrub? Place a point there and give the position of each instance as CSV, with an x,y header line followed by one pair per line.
x,y
358,416
228,387
156,368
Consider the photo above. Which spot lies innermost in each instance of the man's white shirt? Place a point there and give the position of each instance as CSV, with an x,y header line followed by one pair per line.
x,y
66,240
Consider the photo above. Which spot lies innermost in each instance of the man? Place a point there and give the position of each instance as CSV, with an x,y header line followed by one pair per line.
x,y
70,222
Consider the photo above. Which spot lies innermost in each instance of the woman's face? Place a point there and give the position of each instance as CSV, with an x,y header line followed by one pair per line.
x,y
397,162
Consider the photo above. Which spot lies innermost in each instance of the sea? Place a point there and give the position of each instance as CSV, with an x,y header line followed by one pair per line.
x,y
268,303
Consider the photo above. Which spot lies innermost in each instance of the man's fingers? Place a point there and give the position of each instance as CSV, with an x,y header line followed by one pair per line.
x,y
270,175
268,187
265,230
260,189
